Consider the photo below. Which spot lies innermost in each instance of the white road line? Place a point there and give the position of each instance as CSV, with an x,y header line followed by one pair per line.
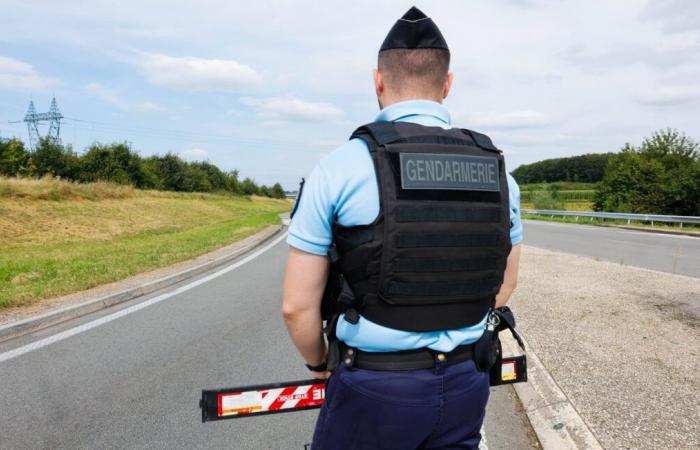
x,y
41,343
483,445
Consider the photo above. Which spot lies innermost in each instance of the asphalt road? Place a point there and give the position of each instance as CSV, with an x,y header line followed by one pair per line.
x,y
663,252
135,381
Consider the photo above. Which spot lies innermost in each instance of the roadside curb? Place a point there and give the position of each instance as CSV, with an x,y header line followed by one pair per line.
x,y
41,321
555,420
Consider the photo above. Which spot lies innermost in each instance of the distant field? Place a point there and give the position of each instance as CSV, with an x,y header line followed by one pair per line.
x,y
577,194
573,196
58,237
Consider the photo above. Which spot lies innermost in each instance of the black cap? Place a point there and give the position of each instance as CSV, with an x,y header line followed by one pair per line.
x,y
414,30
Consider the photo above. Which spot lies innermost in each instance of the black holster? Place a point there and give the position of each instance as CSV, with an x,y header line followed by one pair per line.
x,y
333,357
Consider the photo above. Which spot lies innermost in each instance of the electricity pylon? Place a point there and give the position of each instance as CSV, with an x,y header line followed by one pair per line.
x,y
33,118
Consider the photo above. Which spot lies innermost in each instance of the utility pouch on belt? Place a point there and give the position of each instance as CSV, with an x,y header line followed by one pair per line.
x,y
488,354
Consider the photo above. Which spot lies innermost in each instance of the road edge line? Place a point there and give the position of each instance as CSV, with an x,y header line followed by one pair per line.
x,y
32,324
557,423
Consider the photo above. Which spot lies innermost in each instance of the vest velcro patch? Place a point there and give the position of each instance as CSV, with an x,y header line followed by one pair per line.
x,y
449,172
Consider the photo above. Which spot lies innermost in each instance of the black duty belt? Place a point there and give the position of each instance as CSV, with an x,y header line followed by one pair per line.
x,y
423,358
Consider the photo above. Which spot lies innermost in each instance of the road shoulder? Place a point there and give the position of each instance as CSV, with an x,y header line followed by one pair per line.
x,y
614,345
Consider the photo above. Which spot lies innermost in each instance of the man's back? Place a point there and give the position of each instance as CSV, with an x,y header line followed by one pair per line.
x,y
343,187
403,379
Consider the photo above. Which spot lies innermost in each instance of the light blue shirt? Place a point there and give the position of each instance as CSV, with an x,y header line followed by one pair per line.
x,y
344,185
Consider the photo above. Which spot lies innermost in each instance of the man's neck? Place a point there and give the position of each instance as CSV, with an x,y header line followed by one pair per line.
x,y
392,101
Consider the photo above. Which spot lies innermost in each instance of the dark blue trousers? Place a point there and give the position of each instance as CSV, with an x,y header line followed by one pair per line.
x,y
440,408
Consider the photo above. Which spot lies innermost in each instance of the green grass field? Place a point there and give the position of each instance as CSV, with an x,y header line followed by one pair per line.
x,y
58,237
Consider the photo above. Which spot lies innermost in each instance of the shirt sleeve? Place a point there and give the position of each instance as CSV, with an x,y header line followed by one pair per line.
x,y
516,225
310,230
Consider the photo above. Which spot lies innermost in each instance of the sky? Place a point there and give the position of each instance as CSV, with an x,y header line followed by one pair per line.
x,y
270,87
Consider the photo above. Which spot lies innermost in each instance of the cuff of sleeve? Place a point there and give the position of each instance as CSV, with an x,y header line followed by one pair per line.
x,y
515,240
306,246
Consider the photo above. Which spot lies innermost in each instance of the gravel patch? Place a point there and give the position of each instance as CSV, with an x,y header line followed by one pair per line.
x,y
623,343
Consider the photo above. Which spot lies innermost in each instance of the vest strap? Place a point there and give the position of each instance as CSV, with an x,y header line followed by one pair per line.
x,y
481,140
349,241
383,132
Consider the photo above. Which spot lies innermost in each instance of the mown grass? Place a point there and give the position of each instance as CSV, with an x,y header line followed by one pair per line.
x,y
58,237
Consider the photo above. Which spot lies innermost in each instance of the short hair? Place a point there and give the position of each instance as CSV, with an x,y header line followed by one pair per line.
x,y
416,69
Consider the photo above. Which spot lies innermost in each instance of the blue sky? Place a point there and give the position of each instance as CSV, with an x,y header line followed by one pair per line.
x,y
270,87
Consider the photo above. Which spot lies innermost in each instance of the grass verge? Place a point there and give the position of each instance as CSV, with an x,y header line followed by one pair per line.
x,y
58,237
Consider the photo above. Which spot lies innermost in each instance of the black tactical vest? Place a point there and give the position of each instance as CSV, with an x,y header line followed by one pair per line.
x,y
434,257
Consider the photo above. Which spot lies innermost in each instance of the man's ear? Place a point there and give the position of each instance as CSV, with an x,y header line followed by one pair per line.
x,y
378,82
448,85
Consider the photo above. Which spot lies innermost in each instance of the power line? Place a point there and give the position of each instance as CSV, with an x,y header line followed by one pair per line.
x,y
182,134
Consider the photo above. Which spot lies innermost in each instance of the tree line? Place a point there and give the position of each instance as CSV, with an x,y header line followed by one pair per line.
x,y
588,168
660,176
119,163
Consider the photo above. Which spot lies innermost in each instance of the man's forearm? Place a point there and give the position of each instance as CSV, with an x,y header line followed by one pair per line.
x,y
510,277
304,283
305,329
504,295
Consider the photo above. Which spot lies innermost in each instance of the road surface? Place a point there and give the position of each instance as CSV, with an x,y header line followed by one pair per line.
x,y
135,381
663,252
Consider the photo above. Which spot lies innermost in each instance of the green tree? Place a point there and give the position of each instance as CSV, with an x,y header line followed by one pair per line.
x,y
207,177
114,162
232,183
277,191
662,176
171,173
15,160
248,187
264,191
52,158
588,168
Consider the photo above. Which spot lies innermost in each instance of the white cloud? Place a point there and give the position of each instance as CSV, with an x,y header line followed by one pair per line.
x,y
16,74
194,154
514,119
106,94
198,74
676,16
670,95
292,109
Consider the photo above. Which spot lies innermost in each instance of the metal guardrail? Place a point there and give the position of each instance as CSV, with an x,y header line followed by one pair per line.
x,y
619,216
